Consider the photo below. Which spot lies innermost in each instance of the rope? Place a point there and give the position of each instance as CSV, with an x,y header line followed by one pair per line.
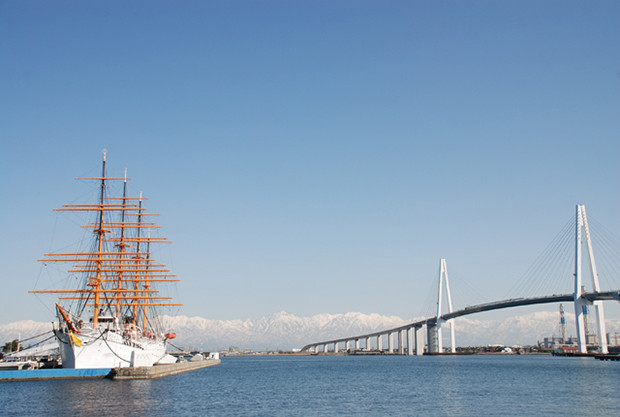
x,y
111,350
34,337
40,342
61,341
175,346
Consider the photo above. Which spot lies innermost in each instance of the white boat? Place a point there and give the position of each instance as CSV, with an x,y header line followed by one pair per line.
x,y
13,364
111,318
41,355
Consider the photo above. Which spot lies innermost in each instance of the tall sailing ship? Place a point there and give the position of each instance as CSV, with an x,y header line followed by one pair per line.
x,y
111,319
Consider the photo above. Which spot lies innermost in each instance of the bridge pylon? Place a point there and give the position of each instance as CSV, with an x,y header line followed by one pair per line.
x,y
582,236
443,278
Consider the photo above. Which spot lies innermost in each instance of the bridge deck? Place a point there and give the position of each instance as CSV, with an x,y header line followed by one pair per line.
x,y
496,305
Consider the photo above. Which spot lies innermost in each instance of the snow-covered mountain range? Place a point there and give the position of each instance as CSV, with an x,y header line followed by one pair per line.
x,y
286,331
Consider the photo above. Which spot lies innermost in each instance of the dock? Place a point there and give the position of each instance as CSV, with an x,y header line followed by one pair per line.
x,y
610,357
142,372
159,371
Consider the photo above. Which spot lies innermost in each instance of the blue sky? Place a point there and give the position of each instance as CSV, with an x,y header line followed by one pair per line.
x,y
313,156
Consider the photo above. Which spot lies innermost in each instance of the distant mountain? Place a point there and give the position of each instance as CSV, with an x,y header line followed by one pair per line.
x,y
23,330
286,331
276,331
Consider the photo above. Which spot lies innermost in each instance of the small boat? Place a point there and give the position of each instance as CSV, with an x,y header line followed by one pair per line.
x,y
17,365
111,318
39,356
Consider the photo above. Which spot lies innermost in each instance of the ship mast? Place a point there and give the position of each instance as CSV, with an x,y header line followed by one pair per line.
x,y
121,246
115,281
138,258
147,285
96,281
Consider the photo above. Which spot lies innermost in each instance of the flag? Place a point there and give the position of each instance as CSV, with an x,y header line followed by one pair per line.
x,y
75,339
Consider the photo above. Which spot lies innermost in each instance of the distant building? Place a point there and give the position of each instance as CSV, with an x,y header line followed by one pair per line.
x,y
613,339
554,342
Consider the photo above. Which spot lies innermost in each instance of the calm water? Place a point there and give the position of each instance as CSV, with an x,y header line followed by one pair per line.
x,y
342,385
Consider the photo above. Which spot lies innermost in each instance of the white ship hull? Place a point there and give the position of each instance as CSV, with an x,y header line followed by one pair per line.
x,y
108,349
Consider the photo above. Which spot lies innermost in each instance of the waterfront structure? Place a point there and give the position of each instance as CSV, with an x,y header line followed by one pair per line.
x,y
581,299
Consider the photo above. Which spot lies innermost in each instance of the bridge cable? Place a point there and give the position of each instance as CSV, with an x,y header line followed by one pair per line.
x,y
549,270
606,250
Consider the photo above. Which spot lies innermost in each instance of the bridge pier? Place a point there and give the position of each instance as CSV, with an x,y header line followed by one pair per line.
x,y
324,347
390,342
440,324
439,335
380,342
401,347
357,344
419,340
368,343
335,347
431,337
602,329
581,327
409,341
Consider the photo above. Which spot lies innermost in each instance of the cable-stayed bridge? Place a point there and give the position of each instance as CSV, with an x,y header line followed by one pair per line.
x,y
410,337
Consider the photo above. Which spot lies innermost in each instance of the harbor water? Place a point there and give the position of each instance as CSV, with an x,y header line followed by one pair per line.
x,y
481,385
